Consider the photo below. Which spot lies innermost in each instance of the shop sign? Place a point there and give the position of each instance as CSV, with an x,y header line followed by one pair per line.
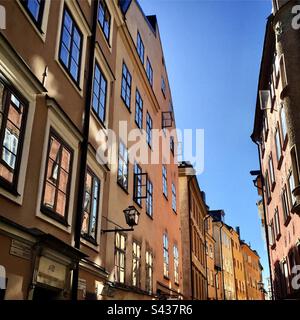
x,y
51,273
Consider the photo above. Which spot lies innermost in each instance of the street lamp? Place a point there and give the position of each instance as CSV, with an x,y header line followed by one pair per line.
x,y
131,217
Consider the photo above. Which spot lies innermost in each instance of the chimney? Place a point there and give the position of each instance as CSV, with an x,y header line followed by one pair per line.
x,y
238,231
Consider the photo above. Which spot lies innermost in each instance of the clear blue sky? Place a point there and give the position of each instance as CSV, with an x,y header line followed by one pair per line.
x,y
213,51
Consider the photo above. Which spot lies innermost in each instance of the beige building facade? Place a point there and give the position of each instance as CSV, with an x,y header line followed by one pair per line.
x,y
90,65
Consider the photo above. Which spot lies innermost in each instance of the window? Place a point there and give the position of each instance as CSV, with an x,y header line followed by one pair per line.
x,y
149,271
291,183
91,206
166,255
176,265
138,109
104,18
267,187
265,128
271,169
123,166
283,124
99,93
137,184
149,72
172,145
136,264
285,204
149,130
278,144
140,47
57,178
163,86
164,181
277,223
70,46
211,251
126,86
149,201
13,112
174,197
271,233
35,9
120,253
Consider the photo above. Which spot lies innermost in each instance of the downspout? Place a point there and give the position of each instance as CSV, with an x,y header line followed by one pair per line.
x,y
265,217
190,234
84,149
221,251
206,256
236,296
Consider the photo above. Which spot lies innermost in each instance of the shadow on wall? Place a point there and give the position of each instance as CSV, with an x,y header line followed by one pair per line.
x,y
286,281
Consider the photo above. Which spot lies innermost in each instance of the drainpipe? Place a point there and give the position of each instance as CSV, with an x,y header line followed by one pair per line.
x,y
265,217
233,268
84,149
190,232
205,244
221,251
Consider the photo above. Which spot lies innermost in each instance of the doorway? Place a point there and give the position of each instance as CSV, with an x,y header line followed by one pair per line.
x,y
46,294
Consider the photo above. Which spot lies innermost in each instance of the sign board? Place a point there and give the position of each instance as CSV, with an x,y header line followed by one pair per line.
x,y
51,273
82,284
20,249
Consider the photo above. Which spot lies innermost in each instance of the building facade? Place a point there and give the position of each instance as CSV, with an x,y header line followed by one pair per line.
x,y
214,277
90,65
276,132
253,273
238,265
193,211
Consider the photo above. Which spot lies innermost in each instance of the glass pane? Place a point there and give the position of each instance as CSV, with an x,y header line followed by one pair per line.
x,y
68,22
34,8
85,223
65,160
64,55
77,38
1,98
74,70
66,38
6,174
61,203
63,181
49,196
15,116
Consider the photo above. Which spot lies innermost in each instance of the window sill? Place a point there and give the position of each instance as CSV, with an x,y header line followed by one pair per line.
x,y
149,216
138,204
107,41
166,278
122,187
266,136
11,188
273,186
89,239
280,162
166,197
98,119
287,221
124,102
285,143
54,216
269,200
278,237
75,85
39,31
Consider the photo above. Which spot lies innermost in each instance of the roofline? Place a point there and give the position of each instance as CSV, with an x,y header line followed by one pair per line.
x,y
266,48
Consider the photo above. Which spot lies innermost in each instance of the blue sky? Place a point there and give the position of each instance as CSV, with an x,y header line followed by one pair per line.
x,y
213,51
